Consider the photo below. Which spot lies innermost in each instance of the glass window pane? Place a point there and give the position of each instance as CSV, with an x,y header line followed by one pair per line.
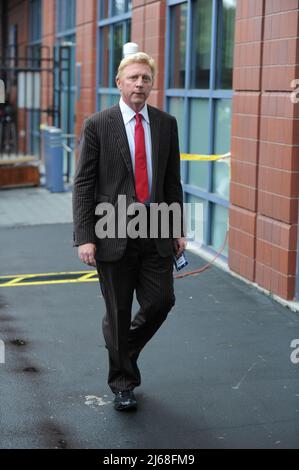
x,y
118,7
67,99
219,224
68,53
221,178
104,102
104,10
199,142
121,32
34,132
35,53
65,15
66,94
114,99
225,49
201,43
223,117
221,169
105,56
117,48
176,109
35,20
178,46
107,100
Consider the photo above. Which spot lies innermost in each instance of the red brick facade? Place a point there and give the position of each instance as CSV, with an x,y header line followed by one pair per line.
x,y
86,35
265,152
48,39
17,14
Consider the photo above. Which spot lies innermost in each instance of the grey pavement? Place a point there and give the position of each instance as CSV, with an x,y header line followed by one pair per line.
x,y
218,374
34,206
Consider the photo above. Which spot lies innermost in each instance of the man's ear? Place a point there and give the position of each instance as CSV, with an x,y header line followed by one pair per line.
x,y
117,81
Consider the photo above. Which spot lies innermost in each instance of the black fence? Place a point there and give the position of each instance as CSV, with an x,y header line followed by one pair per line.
x,y
37,82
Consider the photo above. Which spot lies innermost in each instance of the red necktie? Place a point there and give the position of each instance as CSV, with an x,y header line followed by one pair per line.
x,y
141,179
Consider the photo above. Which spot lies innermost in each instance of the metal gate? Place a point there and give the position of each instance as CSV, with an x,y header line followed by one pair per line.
x,y
37,82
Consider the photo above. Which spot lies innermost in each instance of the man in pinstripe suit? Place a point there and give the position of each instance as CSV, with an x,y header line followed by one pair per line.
x,y
112,143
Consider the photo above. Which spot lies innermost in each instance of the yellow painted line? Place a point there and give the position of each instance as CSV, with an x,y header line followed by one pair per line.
x,y
86,277
197,157
14,281
63,273
40,283
49,278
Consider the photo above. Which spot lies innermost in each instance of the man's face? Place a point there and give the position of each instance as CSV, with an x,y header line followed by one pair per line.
x,y
135,85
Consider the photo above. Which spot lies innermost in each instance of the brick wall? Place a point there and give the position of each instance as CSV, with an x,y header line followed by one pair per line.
x,y
86,39
17,14
265,152
48,40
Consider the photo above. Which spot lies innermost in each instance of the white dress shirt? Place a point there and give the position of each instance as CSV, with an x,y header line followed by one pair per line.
x,y
129,120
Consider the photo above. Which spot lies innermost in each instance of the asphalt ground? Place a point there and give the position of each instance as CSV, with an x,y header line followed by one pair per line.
x,y
217,375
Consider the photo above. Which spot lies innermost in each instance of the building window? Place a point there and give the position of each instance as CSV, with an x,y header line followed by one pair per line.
x,y
114,31
65,91
199,58
65,15
201,44
178,46
219,226
66,36
225,43
199,119
220,181
176,108
35,20
114,7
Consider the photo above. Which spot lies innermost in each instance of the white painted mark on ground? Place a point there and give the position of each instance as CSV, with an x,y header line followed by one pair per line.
x,y
94,401
236,387
261,357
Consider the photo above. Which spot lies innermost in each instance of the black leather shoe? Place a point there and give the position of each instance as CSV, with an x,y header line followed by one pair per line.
x,y
125,400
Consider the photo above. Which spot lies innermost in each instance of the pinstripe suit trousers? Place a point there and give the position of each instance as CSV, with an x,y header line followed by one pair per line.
x,y
144,272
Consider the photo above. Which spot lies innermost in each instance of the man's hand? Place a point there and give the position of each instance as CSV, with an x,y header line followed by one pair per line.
x,y
87,253
179,246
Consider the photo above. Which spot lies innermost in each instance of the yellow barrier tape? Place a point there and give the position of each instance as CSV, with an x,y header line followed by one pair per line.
x,y
194,157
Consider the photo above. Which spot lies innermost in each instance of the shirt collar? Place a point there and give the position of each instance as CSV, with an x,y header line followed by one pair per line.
x,y
128,113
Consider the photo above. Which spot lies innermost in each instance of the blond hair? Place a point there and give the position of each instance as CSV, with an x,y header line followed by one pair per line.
x,y
138,58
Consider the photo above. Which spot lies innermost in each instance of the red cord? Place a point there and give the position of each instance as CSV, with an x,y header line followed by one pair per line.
x,y
206,266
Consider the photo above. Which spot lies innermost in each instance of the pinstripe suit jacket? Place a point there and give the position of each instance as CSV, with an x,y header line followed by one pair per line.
x,y
105,171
